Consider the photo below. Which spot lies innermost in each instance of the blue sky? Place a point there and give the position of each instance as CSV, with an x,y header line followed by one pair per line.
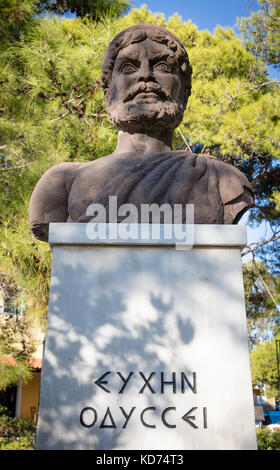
x,y
206,14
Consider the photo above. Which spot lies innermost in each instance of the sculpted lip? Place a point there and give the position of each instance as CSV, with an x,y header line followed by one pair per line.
x,y
151,91
145,95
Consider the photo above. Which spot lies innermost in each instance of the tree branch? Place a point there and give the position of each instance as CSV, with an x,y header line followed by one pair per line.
x,y
61,116
183,137
18,167
76,106
272,82
258,245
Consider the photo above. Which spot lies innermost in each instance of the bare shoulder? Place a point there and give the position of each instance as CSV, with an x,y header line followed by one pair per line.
x,y
49,200
63,172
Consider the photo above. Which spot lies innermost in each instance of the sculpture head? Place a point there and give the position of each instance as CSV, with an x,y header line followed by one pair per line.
x,y
146,77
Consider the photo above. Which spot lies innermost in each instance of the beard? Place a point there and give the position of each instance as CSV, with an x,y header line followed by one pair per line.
x,y
144,115
137,114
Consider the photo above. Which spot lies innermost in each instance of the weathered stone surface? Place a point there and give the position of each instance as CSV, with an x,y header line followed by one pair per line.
x,y
146,78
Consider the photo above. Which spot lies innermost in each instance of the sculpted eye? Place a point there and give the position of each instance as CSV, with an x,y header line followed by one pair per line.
x,y
128,68
162,66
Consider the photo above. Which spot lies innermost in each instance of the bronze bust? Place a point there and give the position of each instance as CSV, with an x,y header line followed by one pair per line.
x,y
146,77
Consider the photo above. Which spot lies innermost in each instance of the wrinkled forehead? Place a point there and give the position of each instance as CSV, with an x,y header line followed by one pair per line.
x,y
145,49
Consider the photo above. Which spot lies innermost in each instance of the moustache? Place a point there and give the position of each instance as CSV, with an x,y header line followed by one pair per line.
x,y
146,88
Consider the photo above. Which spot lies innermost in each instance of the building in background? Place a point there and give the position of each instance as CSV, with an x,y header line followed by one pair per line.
x,y
21,399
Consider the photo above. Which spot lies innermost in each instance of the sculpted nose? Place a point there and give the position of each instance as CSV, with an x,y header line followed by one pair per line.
x,y
145,73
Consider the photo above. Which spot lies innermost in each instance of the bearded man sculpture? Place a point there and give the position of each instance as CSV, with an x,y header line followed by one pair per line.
x,y
146,77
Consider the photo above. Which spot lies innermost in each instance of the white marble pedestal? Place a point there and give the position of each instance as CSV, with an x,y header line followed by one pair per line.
x,y
146,345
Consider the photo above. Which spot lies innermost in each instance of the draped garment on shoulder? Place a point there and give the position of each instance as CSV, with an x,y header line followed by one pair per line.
x,y
219,192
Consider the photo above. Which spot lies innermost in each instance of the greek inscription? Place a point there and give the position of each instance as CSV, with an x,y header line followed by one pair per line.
x,y
142,417
192,385
188,418
125,381
147,417
153,383
100,382
166,382
91,419
106,416
147,382
168,425
205,417
127,416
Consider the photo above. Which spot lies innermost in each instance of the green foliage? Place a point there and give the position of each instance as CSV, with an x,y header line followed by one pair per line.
x,y
85,8
52,110
16,434
264,367
11,374
268,440
261,31
15,338
260,286
15,16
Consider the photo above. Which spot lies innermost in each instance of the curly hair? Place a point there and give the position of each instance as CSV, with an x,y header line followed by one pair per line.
x,y
138,33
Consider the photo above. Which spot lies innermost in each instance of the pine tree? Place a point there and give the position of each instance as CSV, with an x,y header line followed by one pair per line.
x,y
262,295
52,110
15,17
94,9
261,36
261,31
